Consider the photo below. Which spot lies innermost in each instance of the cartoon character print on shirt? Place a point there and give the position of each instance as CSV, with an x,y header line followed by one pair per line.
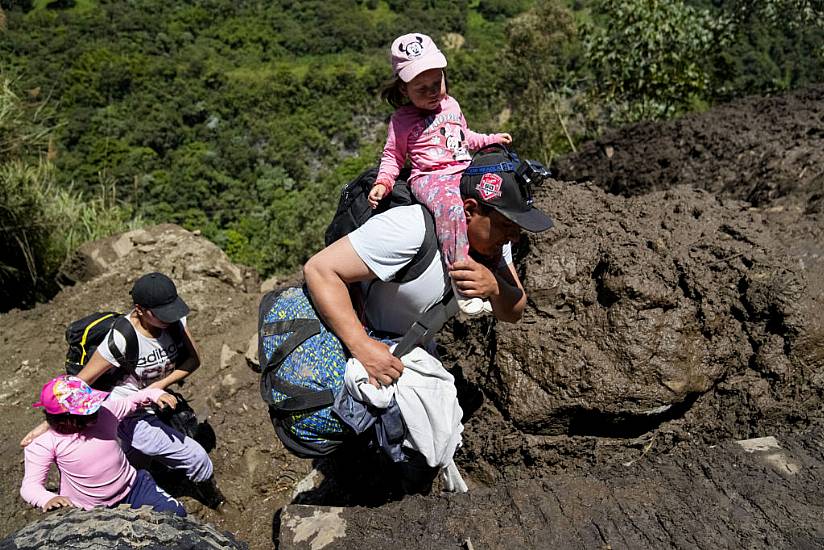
x,y
455,142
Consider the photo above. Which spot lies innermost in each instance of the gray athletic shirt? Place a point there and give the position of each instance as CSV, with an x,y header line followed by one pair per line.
x,y
386,243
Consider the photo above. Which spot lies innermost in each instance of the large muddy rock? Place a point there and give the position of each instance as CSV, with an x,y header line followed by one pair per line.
x,y
663,309
637,306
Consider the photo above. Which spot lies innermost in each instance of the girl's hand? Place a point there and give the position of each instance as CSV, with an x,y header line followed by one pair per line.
x,y
166,400
376,194
38,430
57,502
504,139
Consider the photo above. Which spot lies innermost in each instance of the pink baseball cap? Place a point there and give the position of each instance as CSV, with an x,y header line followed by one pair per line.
x,y
413,54
69,394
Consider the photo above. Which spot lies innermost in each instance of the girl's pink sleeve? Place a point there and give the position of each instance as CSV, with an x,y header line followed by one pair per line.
x,y
38,460
394,154
476,140
121,408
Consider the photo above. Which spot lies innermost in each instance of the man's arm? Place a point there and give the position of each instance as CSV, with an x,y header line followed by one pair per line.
x,y
502,287
327,274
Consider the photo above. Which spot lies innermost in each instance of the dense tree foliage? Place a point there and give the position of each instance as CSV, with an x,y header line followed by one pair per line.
x,y
647,55
242,118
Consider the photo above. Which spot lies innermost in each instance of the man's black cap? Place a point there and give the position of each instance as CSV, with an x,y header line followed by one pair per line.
x,y
157,292
501,189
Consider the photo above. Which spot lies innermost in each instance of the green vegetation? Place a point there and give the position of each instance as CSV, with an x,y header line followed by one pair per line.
x,y
243,118
40,223
647,55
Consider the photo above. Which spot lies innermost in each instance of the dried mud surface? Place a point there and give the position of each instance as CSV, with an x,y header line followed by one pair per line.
x,y
667,318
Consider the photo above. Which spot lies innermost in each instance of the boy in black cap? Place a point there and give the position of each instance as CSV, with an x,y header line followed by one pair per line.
x,y
156,293
165,354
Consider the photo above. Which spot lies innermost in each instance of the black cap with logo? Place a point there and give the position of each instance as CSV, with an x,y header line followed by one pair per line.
x,y
497,178
157,292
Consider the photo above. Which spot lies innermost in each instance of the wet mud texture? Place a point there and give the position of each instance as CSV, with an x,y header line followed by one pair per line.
x,y
765,150
695,497
661,325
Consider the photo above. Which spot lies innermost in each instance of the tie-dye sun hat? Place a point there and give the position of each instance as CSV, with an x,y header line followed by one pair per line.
x,y
69,394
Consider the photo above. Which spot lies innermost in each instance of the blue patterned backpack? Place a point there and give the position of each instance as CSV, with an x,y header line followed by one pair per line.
x,y
303,364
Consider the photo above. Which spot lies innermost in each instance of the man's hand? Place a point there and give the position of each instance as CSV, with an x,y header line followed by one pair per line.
x,y
473,279
383,367
38,430
57,502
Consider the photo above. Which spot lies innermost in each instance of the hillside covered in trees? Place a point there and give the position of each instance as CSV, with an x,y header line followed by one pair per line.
x,y
241,119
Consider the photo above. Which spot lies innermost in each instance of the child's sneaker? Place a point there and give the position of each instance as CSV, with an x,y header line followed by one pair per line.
x,y
487,307
469,307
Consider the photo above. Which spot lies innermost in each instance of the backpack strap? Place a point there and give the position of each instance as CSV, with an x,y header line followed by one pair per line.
x,y
178,334
432,320
302,330
127,360
426,253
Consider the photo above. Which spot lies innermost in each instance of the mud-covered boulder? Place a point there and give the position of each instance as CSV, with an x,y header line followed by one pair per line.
x,y
637,306
199,268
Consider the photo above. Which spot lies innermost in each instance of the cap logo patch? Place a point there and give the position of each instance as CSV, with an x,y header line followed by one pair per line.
x,y
490,186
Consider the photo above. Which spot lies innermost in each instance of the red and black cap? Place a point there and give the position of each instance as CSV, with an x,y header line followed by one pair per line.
x,y
492,179
157,292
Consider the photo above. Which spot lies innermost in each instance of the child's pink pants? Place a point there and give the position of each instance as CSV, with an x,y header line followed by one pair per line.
x,y
441,194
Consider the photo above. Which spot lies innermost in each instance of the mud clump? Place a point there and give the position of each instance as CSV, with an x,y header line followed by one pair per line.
x,y
765,150
663,307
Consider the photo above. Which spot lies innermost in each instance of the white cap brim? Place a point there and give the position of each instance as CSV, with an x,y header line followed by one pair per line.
x,y
433,61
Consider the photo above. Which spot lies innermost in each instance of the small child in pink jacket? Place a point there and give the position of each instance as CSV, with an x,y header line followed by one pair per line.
x,y
429,129
82,441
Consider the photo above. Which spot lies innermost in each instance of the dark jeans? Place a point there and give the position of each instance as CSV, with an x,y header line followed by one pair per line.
x,y
145,492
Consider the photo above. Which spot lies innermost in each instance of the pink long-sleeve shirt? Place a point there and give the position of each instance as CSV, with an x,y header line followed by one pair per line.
x,y
435,142
93,468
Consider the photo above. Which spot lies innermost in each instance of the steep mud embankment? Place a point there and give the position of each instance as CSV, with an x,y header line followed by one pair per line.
x,y
675,314
768,151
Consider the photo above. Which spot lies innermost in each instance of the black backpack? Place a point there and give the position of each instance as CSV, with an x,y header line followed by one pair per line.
x,y
354,210
86,334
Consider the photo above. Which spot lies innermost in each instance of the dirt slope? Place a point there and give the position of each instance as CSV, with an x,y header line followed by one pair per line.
x,y
659,325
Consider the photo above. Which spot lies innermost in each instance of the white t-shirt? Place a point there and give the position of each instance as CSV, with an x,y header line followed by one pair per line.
x,y
156,358
386,243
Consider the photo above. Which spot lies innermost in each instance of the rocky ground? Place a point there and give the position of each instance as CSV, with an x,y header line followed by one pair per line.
x,y
675,308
